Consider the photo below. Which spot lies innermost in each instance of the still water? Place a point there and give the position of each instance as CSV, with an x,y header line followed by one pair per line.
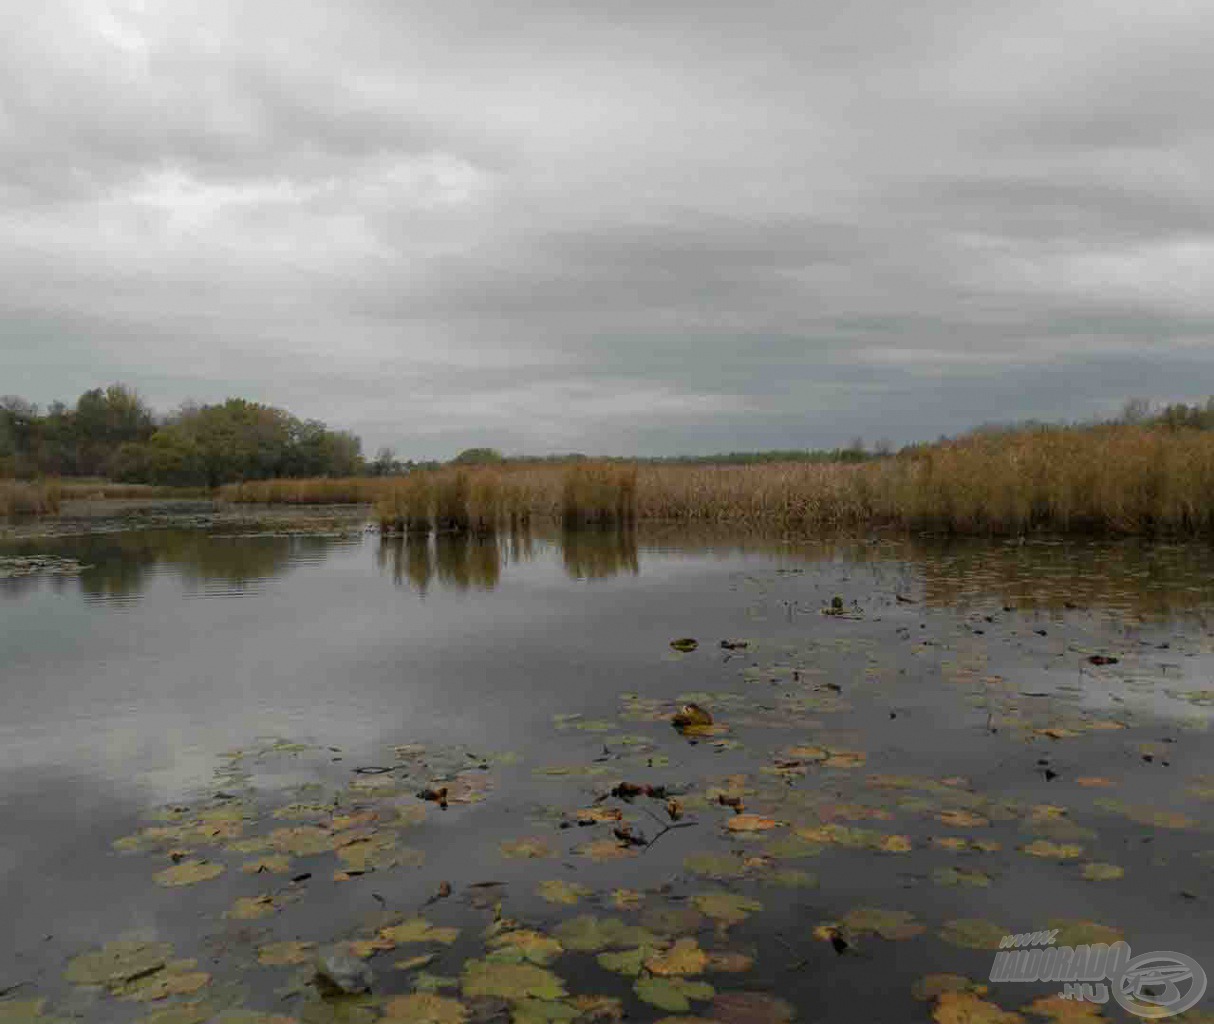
x,y
913,727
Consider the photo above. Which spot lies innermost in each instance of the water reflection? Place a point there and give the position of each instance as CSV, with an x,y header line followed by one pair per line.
x,y
1134,577
120,566
1131,576
456,561
596,554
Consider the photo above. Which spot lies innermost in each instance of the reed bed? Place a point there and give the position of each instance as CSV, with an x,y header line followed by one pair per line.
x,y
1115,479
352,490
18,497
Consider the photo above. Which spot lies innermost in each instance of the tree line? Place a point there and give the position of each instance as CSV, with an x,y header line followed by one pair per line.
x,y
110,432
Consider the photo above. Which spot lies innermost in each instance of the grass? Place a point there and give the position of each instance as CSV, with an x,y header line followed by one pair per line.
x,y
29,498
1118,479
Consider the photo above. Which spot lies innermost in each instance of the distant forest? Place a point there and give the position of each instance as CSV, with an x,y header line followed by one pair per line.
x,y
111,433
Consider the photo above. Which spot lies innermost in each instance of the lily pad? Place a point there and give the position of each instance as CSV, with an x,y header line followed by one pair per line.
x,y
188,872
674,994
972,933
510,981
418,929
684,957
118,962
562,893
424,1008
726,908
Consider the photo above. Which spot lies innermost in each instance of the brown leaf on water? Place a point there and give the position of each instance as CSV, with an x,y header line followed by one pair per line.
x,y
1065,1011
751,823
605,849
967,1008
595,815
962,819
932,986
278,954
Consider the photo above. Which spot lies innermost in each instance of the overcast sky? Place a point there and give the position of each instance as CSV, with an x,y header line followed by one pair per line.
x,y
624,228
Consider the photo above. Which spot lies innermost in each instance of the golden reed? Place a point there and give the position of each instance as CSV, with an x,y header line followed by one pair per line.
x,y
1116,479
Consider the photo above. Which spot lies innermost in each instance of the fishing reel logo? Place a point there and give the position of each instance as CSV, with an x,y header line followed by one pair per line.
x,y
1150,984
1153,986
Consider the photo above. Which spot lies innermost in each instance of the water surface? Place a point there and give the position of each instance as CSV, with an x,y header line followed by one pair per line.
x,y
953,695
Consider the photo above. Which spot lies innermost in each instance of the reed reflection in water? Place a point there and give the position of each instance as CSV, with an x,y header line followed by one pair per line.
x,y
1132,577
468,561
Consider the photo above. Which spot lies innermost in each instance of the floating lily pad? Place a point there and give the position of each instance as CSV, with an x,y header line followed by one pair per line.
x,y
117,962
510,981
418,929
188,872
972,933
424,1008
562,893
674,994
726,908
1103,872
684,957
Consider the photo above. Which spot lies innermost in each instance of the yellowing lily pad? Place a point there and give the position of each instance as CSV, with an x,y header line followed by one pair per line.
x,y
116,962
180,978
188,872
1052,851
967,1008
523,944
271,863
418,929
279,954
895,925
684,957
531,847
1103,872
590,934
510,981
424,1008
249,908
972,933
726,908
562,893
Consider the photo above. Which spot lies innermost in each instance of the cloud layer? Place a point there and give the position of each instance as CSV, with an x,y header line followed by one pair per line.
x,y
640,229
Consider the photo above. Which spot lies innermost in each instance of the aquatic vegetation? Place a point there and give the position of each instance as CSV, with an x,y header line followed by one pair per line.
x,y
34,498
665,867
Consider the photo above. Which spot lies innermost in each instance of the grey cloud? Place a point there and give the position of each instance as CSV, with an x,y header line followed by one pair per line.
x,y
672,226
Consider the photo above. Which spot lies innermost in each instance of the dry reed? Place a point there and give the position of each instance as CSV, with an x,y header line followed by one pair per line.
x,y
1116,479
29,498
